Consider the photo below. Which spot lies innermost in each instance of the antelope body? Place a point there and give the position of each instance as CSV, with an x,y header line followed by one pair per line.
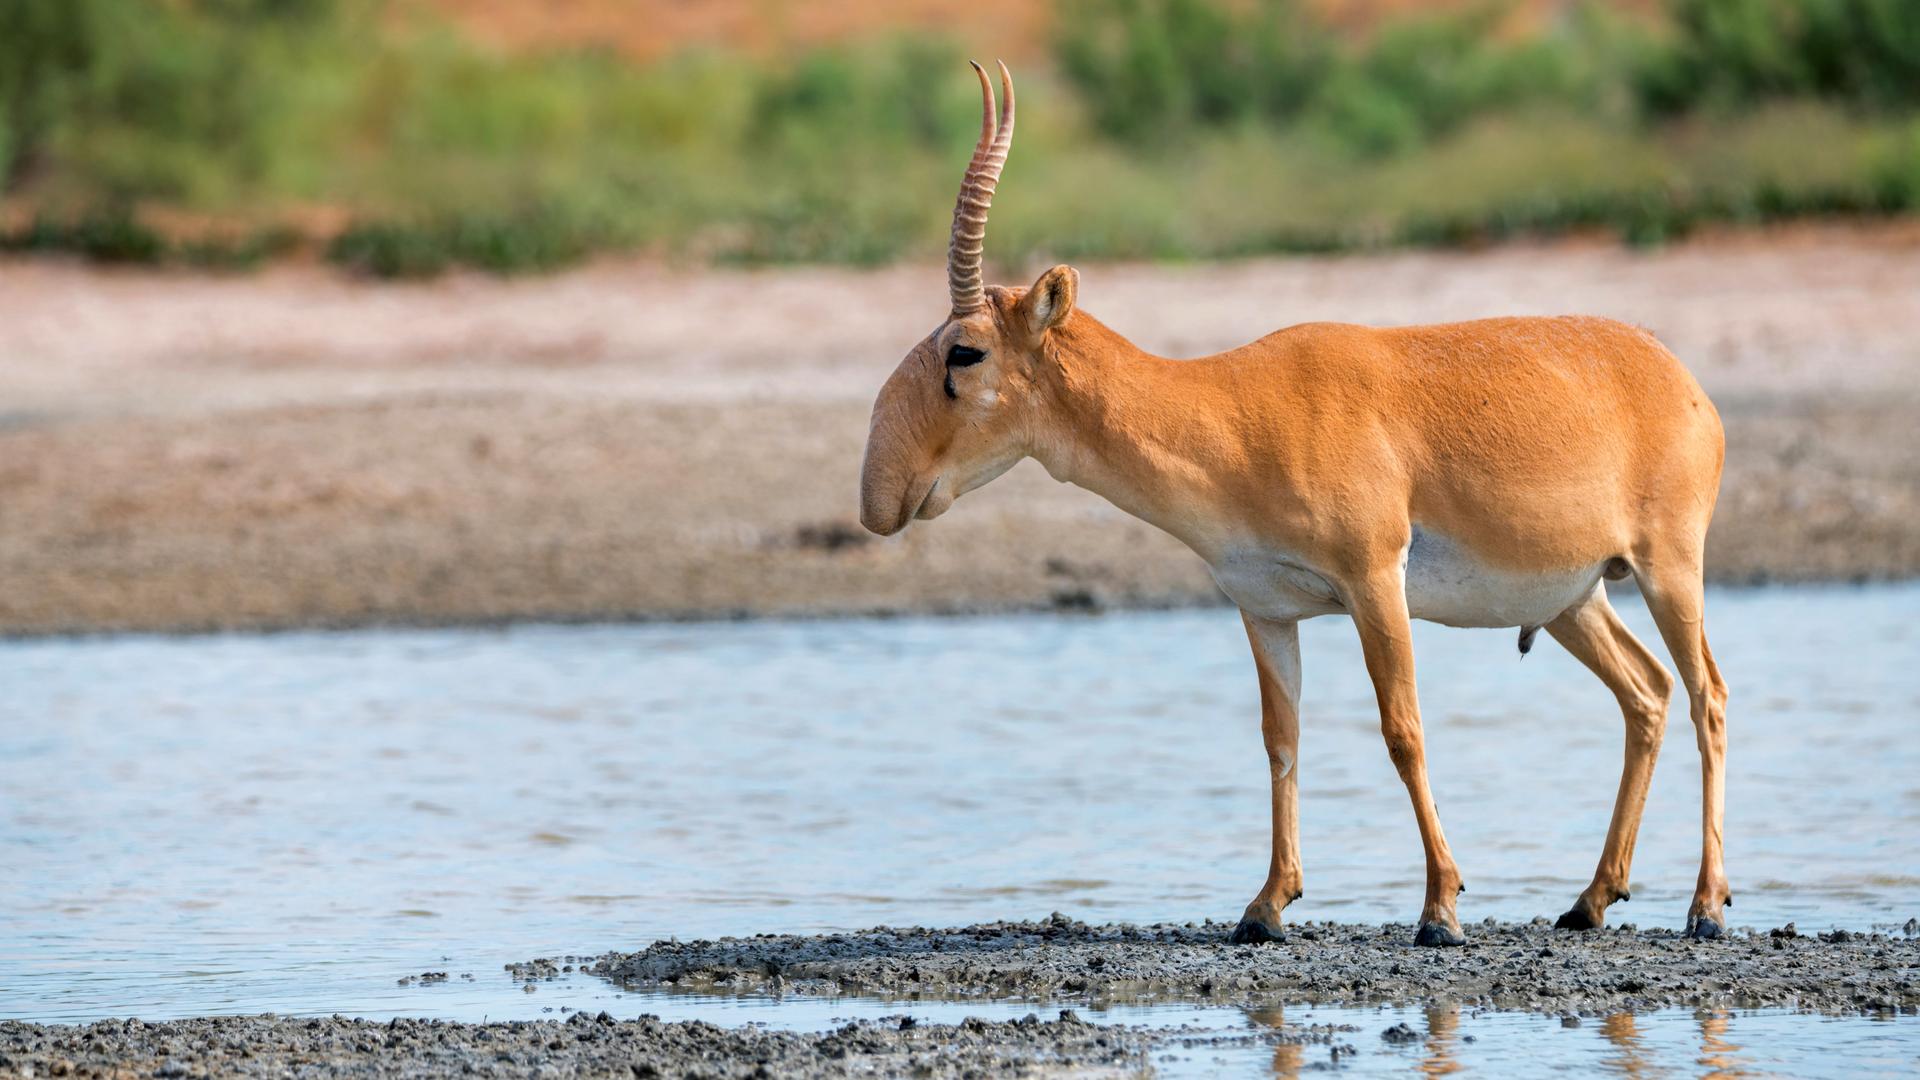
x,y
1487,473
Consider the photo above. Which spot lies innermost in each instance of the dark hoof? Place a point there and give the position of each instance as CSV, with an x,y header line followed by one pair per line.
x,y
1575,920
1702,927
1433,935
1251,932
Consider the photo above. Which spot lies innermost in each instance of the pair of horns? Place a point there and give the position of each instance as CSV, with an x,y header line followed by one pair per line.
x,y
976,195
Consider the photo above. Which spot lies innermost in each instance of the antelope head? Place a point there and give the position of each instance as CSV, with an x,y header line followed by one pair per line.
x,y
963,405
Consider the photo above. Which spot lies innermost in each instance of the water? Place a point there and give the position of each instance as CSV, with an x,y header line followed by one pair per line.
x,y
293,822
1226,1040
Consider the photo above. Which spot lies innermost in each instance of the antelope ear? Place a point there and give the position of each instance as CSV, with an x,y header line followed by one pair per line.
x,y
1050,301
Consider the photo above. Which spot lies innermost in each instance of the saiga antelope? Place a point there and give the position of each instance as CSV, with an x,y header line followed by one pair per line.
x,y
1486,473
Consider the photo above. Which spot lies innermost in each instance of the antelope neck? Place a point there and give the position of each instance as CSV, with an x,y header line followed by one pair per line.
x,y
1127,426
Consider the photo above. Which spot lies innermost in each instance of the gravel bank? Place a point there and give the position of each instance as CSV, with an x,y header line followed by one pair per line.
x,y
1532,967
1526,967
600,1045
580,1046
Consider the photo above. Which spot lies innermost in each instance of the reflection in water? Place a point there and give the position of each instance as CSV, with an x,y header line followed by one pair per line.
x,y
1718,1055
1624,1033
1443,1036
1442,1041
1288,1057
1660,1043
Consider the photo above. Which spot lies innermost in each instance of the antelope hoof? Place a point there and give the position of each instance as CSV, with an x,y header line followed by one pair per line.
x,y
1255,932
1703,927
1436,935
1576,919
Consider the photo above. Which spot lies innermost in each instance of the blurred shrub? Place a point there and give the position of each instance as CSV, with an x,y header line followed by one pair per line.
x,y
1731,53
1146,67
184,101
1896,177
1208,128
1423,77
44,49
525,162
874,94
110,234
531,240
1151,68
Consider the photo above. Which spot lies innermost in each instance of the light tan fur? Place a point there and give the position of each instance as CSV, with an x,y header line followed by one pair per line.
x,y
1486,473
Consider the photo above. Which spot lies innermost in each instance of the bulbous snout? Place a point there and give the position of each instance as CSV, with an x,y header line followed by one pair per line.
x,y
906,470
887,471
881,496
887,503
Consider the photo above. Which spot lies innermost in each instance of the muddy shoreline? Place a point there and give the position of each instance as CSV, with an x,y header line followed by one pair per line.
x,y
582,1045
294,449
1529,967
1053,963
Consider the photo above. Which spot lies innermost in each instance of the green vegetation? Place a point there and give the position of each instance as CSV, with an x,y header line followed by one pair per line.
x,y
1148,67
1166,129
113,233
1731,52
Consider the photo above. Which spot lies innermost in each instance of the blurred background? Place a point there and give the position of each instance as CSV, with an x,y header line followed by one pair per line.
x,y
399,138
347,311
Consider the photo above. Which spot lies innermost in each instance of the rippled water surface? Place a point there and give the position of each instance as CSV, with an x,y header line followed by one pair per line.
x,y
294,822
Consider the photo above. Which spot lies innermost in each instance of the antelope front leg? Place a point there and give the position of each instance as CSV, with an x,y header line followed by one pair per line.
x,y
1379,608
1276,655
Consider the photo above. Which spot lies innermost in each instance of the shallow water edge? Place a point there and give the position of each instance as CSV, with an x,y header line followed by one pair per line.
x,y
291,823
936,1039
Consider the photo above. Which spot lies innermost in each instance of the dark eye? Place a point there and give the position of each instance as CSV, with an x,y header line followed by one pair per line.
x,y
961,356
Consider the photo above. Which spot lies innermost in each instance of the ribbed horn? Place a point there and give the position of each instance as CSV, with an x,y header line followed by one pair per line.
x,y
976,195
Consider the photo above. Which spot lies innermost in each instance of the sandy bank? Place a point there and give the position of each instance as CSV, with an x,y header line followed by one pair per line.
x,y
626,440
1513,966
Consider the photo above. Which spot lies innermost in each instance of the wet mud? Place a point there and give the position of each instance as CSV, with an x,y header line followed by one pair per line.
x,y
1511,966
589,1045
1568,974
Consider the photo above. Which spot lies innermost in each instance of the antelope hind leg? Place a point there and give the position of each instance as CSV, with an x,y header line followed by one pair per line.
x,y
1593,633
1673,591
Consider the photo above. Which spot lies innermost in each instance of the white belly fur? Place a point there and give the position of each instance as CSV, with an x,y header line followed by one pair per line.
x,y
1444,584
1272,584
